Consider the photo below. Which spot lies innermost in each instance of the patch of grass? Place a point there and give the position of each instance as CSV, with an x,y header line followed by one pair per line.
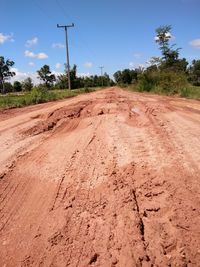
x,y
187,92
38,95
191,92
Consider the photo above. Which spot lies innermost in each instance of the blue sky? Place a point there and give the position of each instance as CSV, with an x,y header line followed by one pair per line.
x,y
115,34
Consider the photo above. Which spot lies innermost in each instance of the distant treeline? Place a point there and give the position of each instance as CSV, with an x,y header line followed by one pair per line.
x,y
49,80
167,74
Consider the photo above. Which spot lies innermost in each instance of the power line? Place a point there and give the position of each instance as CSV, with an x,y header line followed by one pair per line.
x,y
43,10
62,9
67,51
83,45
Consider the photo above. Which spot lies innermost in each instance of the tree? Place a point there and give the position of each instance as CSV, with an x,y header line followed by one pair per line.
x,y
8,87
126,76
46,76
75,81
5,72
118,76
170,59
170,55
106,80
27,84
62,80
17,86
163,36
80,82
194,72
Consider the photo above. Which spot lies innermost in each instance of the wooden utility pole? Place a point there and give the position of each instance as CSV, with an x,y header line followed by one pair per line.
x,y
101,75
67,51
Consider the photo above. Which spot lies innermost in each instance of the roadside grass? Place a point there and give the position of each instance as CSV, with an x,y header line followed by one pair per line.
x,y
38,95
190,91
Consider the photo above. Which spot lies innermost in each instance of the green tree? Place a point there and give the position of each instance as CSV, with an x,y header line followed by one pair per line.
x,y
118,76
126,76
106,80
46,76
27,84
75,81
5,72
8,87
17,86
194,72
80,82
61,82
170,56
163,36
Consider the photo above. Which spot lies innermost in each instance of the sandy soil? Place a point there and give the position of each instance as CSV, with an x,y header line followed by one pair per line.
x,y
110,178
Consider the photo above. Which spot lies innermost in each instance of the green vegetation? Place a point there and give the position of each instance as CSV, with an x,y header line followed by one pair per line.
x,y
5,72
38,95
187,92
46,76
168,74
82,82
24,93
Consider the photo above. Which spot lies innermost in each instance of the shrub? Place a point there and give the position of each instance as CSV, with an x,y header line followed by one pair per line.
x,y
172,82
88,90
185,92
39,95
166,82
17,86
147,81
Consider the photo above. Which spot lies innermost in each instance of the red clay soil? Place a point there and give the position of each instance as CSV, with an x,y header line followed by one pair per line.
x,y
110,178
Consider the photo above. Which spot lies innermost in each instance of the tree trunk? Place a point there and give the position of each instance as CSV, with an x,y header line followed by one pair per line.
x,y
2,86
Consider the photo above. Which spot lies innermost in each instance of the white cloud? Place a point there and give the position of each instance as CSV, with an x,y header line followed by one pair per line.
x,y
56,73
82,74
31,42
21,76
58,45
137,55
31,64
195,43
6,38
131,64
88,65
58,66
30,54
41,56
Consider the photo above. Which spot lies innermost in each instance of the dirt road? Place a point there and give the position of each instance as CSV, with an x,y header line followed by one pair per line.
x,y
110,178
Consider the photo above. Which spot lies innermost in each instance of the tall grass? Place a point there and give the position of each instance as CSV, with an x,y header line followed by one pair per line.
x,y
166,83
187,92
38,95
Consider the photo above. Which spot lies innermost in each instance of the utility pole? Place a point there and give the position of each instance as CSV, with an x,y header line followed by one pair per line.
x,y
67,51
101,75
